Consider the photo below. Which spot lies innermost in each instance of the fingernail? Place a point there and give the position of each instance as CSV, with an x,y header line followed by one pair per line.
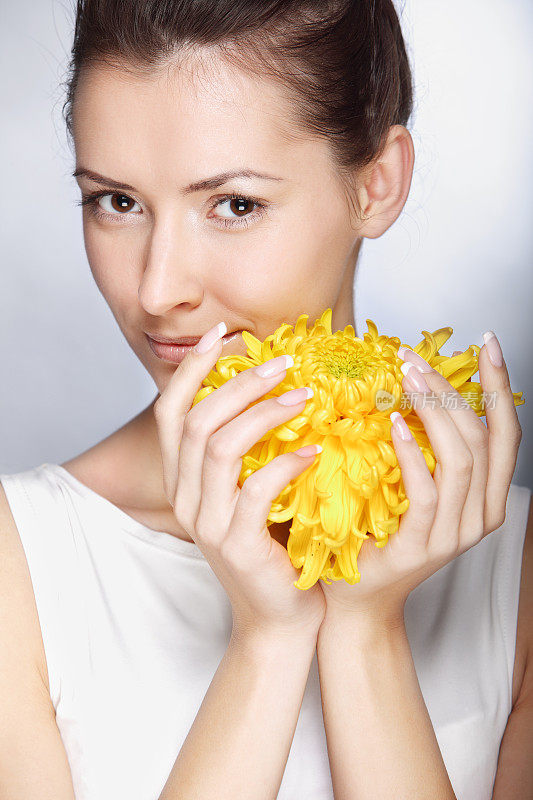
x,y
274,366
493,348
295,396
401,426
421,363
208,339
414,375
308,450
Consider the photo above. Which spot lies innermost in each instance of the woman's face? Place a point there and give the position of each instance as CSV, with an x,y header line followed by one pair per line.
x,y
174,261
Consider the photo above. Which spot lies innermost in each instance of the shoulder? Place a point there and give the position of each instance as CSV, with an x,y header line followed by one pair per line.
x,y
19,620
524,633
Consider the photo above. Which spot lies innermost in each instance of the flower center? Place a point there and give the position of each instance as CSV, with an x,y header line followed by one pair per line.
x,y
351,378
345,358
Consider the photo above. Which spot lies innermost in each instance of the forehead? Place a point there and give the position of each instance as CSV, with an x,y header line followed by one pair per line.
x,y
200,113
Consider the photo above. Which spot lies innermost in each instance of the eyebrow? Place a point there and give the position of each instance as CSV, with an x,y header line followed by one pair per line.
x,y
197,186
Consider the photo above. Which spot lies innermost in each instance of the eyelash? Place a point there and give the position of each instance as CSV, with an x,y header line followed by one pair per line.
x,y
91,201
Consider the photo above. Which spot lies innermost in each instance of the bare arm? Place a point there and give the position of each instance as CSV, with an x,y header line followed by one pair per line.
x,y
381,742
33,761
240,740
514,776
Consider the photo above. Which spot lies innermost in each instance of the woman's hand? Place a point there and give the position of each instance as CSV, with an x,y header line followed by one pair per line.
x,y
450,511
201,449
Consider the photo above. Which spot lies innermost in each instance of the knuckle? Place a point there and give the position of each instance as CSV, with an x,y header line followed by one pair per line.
x,y
229,553
464,462
479,437
252,490
208,531
427,500
217,447
194,426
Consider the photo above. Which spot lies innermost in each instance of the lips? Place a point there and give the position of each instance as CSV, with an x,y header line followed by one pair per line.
x,y
175,353
184,340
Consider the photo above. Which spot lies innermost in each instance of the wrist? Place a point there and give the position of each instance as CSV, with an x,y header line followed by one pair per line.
x,y
264,641
365,619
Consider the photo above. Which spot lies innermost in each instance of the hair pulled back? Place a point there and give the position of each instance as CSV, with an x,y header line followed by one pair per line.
x,y
343,62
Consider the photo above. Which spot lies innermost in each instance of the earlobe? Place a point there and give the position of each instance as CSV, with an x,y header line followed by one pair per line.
x,y
386,185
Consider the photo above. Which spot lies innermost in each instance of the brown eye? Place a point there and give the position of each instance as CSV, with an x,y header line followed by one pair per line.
x,y
115,204
240,208
240,205
121,202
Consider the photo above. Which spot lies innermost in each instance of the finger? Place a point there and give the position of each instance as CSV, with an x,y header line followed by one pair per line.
x,y
419,486
475,434
451,451
173,404
248,531
225,448
205,418
504,428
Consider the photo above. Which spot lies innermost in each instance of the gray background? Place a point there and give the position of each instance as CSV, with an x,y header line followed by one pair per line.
x,y
460,254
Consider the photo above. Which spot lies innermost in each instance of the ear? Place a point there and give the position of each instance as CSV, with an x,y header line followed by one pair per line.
x,y
385,183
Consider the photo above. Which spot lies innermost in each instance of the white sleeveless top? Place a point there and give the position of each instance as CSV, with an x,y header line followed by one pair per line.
x,y
135,623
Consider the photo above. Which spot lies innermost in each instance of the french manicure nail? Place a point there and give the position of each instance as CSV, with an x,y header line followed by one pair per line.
x,y
493,348
308,450
414,375
401,426
294,396
417,360
208,339
274,366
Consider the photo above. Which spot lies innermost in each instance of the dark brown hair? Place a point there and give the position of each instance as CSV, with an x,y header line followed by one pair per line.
x,y
342,62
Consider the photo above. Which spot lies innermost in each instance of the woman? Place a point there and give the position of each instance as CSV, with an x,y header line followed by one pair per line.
x,y
231,158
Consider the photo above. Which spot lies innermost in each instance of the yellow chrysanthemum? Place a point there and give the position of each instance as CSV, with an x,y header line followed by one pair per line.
x,y
354,487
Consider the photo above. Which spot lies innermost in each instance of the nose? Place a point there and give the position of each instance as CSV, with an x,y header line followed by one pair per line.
x,y
171,271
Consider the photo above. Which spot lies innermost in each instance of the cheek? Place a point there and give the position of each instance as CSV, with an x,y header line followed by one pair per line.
x,y
298,263
112,264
